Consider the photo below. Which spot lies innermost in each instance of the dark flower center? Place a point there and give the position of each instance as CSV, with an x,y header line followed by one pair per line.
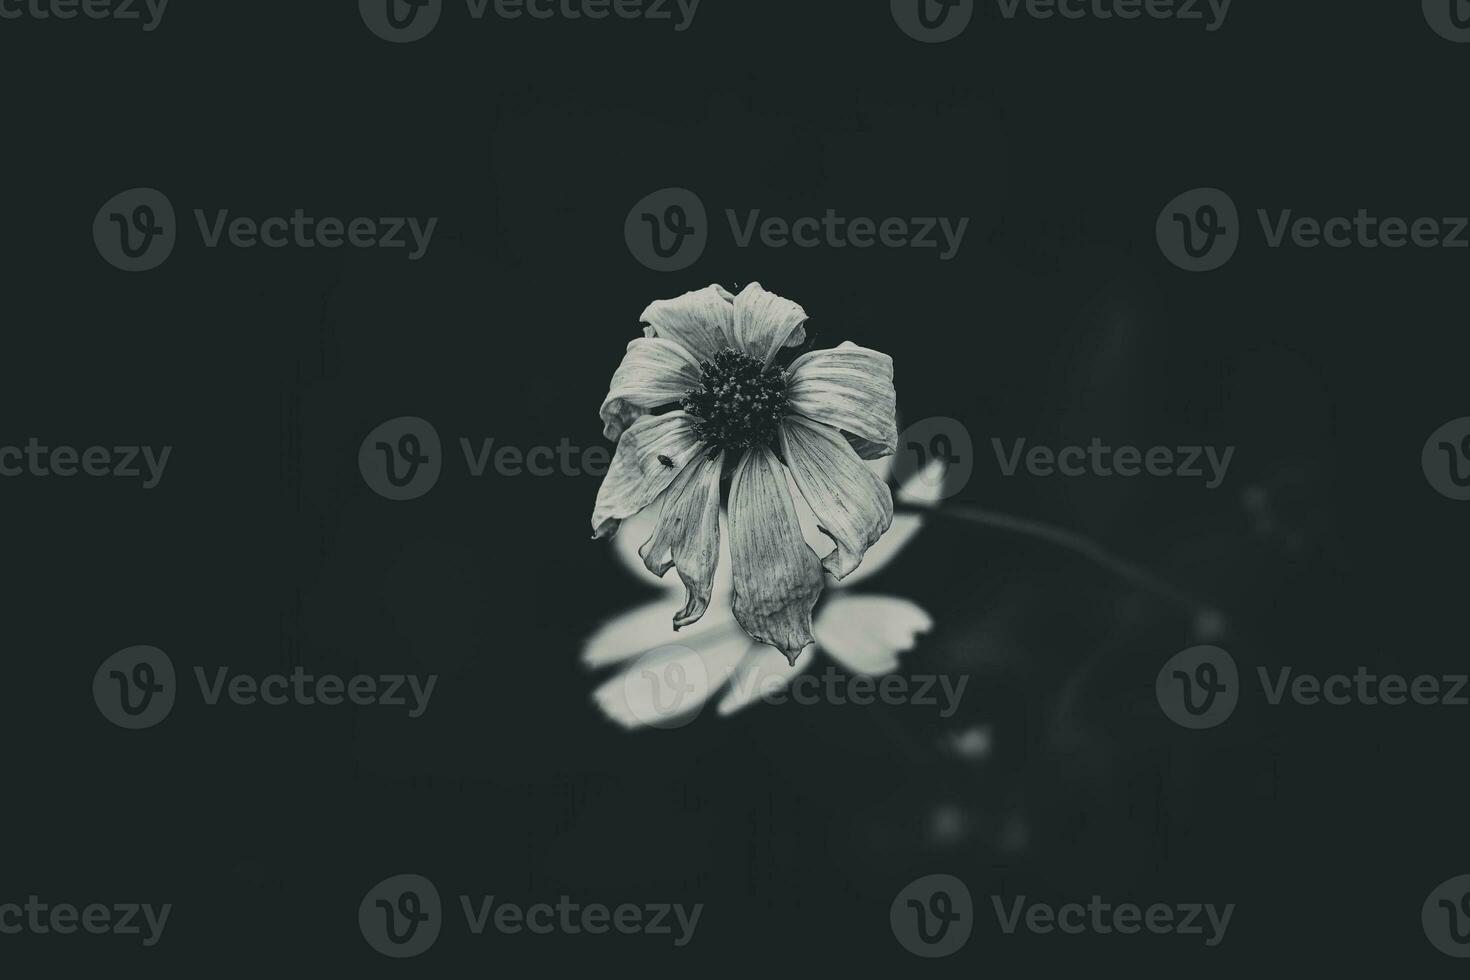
x,y
739,402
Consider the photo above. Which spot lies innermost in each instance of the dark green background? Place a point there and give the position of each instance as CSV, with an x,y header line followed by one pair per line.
x,y
1059,320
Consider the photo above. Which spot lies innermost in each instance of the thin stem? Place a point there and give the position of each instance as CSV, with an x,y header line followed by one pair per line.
x,y
1069,541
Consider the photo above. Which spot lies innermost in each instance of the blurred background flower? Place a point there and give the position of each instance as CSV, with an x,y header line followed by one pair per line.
x,y
668,677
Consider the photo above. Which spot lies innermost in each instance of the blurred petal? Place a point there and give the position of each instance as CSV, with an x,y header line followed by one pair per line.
x,y
887,548
761,673
702,321
666,686
687,536
636,476
636,632
777,577
926,487
764,323
653,373
853,506
849,388
867,633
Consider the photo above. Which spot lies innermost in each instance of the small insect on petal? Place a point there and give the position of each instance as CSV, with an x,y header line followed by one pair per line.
x,y
666,460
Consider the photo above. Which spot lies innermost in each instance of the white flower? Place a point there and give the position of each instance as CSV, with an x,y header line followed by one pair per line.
x,y
811,425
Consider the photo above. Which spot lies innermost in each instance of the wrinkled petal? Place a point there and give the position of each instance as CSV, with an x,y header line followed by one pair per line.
x,y
761,673
852,506
637,476
867,633
777,577
635,531
872,450
702,320
653,373
849,388
687,536
764,323
667,685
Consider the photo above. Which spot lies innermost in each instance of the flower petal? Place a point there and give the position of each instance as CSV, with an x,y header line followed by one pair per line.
x,y
688,533
926,487
702,320
764,323
866,633
645,628
777,577
653,373
637,476
853,507
849,388
666,686
761,673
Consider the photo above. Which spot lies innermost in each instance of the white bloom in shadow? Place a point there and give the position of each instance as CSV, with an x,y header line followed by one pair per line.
x,y
667,677
789,439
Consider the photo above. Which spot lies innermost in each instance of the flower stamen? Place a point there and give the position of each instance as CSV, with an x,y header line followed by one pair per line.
x,y
739,404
